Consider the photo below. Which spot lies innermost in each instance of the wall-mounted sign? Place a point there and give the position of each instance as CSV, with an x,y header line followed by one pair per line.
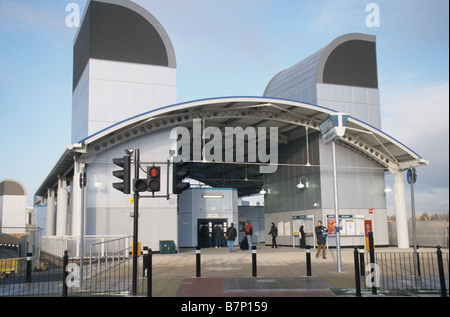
x,y
411,175
349,225
333,127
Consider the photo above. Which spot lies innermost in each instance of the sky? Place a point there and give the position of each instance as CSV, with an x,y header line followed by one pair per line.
x,y
234,48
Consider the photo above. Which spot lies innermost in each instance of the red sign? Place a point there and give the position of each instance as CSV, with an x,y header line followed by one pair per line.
x,y
367,227
371,210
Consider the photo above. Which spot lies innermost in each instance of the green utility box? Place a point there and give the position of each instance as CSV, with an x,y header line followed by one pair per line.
x,y
167,247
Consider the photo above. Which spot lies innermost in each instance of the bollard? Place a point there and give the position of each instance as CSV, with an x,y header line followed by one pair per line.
x,y
29,265
65,273
149,273
144,261
308,260
357,274
361,261
418,262
254,273
198,253
441,272
372,260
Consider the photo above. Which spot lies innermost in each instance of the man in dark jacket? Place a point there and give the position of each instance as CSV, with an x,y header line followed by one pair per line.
x,y
231,236
218,234
274,233
321,234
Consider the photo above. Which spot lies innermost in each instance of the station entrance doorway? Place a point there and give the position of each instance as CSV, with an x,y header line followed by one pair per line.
x,y
205,232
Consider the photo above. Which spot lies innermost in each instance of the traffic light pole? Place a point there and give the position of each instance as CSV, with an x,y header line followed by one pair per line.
x,y
135,223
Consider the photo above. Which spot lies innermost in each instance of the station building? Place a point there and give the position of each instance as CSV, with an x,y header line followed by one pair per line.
x,y
124,97
13,207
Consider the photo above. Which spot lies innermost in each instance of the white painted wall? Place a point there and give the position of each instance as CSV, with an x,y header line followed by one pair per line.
x,y
110,91
12,213
109,212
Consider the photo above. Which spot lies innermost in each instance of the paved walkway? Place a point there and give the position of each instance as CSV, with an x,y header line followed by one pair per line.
x,y
280,273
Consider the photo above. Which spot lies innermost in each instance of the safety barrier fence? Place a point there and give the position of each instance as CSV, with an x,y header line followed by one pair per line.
x,y
111,273
402,271
106,271
399,271
18,278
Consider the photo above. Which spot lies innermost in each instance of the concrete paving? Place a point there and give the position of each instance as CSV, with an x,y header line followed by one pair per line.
x,y
281,272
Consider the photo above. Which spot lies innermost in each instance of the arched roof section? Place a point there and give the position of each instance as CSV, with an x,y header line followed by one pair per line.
x,y
348,60
292,118
121,30
10,187
287,115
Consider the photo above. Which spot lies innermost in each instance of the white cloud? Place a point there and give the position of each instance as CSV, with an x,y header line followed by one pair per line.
x,y
418,117
338,16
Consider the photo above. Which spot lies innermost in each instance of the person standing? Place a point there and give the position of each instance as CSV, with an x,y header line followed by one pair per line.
x,y
274,233
248,234
218,234
302,237
231,236
321,234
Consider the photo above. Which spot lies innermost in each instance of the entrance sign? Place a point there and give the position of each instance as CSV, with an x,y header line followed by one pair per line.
x,y
327,130
333,127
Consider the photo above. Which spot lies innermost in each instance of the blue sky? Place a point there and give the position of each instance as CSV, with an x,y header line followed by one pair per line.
x,y
232,48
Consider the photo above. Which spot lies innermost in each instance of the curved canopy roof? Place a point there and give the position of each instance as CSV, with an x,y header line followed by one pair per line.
x,y
292,118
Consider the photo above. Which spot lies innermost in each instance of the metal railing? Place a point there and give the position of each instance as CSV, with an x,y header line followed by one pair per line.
x,y
106,271
403,270
20,278
109,267
399,271
56,245
107,254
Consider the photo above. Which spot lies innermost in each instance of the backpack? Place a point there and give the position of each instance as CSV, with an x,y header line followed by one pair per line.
x,y
244,244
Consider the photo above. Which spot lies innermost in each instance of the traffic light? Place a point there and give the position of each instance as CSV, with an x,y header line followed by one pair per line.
x,y
154,179
124,174
180,172
152,183
140,185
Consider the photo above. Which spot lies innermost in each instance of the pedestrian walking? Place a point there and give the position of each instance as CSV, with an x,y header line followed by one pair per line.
x,y
321,234
231,236
274,233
